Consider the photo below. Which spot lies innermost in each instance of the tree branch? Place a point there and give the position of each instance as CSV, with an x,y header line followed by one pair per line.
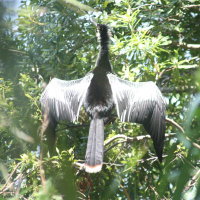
x,y
66,126
8,181
144,5
191,89
182,130
171,121
125,192
15,51
125,139
185,67
185,45
191,6
193,181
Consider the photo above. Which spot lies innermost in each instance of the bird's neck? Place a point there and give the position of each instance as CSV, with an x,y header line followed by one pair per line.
x,y
103,58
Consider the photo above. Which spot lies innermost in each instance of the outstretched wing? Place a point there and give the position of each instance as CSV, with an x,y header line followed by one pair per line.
x,y
141,102
63,99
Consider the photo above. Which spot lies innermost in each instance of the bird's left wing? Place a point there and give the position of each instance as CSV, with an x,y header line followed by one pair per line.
x,y
141,102
63,99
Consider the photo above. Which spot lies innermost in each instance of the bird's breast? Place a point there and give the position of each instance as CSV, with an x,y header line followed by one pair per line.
x,y
99,96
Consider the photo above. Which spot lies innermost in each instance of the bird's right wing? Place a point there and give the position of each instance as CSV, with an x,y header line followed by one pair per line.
x,y
63,99
141,102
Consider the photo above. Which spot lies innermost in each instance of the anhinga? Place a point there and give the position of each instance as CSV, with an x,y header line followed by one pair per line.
x,y
99,92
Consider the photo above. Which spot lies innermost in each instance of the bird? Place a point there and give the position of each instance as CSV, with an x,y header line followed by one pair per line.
x,y
100,92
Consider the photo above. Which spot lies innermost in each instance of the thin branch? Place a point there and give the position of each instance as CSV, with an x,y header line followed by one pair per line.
x,y
164,6
152,159
126,139
115,144
141,6
125,192
8,181
185,45
182,130
193,181
41,155
20,179
184,67
119,136
66,126
15,51
171,121
191,6
80,166
10,185
42,172
72,126
178,67
131,139
190,46
187,66
156,193
194,144
191,89
113,164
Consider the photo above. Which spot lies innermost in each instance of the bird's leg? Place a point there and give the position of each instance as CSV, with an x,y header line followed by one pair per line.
x,y
110,119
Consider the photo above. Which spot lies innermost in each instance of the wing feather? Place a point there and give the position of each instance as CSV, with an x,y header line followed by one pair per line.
x,y
141,102
63,99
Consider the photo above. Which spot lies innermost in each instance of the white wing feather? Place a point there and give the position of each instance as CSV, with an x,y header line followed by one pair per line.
x,y
141,102
63,99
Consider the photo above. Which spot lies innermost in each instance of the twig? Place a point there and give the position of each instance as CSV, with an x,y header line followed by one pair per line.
x,y
125,192
182,130
191,6
190,89
193,181
42,134
72,126
194,144
117,137
108,121
113,164
15,51
190,46
128,139
20,179
152,159
184,67
131,139
171,121
185,45
156,193
42,172
9,178
115,144
141,6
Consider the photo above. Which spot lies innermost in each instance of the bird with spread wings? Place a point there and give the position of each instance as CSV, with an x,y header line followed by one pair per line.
x,y
99,92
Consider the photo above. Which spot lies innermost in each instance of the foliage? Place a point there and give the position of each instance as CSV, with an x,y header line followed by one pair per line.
x,y
151,40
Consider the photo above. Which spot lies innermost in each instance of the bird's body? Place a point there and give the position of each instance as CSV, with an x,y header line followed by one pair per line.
x,y
99,92
99,100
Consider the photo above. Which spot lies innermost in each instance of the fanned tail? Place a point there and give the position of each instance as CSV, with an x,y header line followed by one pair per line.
x,y
94,152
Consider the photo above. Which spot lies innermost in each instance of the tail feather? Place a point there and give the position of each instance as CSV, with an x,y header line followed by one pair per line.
x,y
94,152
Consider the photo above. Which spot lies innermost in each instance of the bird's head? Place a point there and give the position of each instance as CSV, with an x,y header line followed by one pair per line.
x,y
103,33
